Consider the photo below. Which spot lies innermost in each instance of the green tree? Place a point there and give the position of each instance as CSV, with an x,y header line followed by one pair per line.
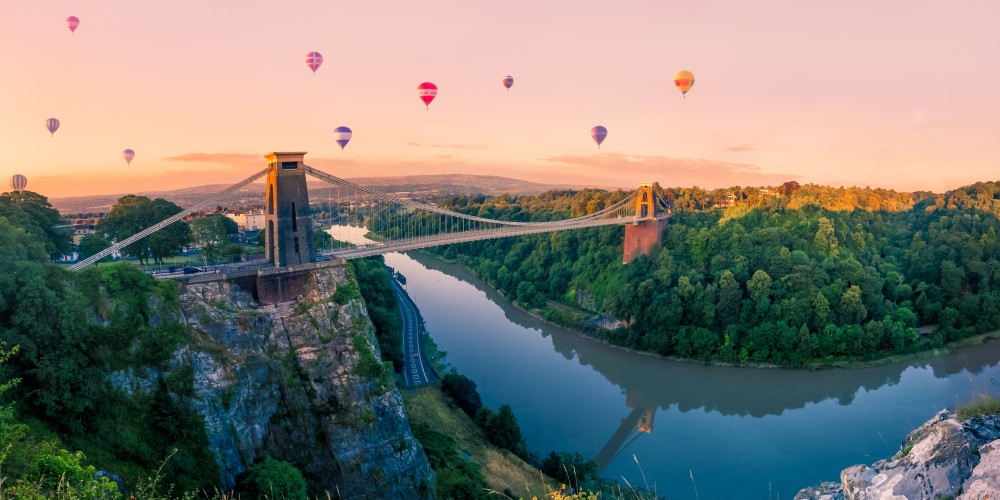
x,y
852,310
132,214
463,391
91,244
210,234
33,213
272,478
503,431
730,298
825,239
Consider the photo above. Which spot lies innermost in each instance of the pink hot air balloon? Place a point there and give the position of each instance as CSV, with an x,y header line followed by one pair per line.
x,y
18,182
72,22
52,124
427,91
128,154
314,60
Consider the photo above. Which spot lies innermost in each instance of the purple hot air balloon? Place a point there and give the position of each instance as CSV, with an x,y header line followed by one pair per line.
x,y
314,60
72,22
342,136
508,81
598,133
128,154
18,182
52,124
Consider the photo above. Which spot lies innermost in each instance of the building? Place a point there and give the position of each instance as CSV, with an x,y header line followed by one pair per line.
x,y
248,221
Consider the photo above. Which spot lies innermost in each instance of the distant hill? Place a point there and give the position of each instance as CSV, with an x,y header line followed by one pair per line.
x,y
253,194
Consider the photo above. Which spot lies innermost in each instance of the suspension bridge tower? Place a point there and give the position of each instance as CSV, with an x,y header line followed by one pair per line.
x,y
647,230
288,239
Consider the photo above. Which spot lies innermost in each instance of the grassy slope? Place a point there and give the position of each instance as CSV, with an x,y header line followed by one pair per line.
x,y
500,468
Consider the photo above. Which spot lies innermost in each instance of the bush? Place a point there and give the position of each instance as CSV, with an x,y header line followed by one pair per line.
x,y
985,405
463,391
272,478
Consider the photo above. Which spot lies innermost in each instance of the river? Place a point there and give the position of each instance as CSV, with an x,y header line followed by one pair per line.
x,y
739,432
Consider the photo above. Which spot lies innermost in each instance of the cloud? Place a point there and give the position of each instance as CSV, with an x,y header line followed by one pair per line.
x,y
735,148
626,170
216,158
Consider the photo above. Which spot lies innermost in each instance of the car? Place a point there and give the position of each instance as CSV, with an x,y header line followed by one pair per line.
x,y
192,270
416,355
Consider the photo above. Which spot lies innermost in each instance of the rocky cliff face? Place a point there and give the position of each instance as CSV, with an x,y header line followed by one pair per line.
x,y
944,458
302,382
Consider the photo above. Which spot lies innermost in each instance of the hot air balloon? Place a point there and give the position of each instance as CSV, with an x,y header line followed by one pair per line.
x,y
72,22
427,91
342,136
128,154
52,124
18,182
314,60
684,80
598,133
508,81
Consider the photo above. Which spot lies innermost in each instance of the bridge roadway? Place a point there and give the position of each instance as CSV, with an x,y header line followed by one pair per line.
x,y
416,370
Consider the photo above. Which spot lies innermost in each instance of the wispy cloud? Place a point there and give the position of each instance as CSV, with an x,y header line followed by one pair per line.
x,y
623,170
216,158
735,148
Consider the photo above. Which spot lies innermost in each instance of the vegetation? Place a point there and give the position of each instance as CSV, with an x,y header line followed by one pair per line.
x,y
272,478
210,234
987,404
376,288
133,214
32,212
791,275
462,390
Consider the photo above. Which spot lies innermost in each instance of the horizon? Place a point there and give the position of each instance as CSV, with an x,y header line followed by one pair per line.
x,y
901,98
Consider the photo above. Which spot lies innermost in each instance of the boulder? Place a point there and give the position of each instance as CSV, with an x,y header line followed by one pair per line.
x,y
985,481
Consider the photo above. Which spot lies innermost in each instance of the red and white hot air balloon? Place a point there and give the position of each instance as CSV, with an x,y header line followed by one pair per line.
x,y
427,91
314,60
52,124
128,154
72,22
18,182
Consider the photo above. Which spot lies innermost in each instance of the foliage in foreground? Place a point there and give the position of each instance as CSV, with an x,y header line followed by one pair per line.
x,y
985,405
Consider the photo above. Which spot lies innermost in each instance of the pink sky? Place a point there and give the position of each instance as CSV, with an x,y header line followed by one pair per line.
x,y
893,93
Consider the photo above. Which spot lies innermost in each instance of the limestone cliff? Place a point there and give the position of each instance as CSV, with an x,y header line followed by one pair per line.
x,y
303,382
944,458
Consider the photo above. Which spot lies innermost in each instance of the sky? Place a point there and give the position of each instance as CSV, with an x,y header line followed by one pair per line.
x,y
902,94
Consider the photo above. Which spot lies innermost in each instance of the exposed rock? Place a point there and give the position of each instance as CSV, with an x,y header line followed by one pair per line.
x,y
942,459
825,491
301,382
985,481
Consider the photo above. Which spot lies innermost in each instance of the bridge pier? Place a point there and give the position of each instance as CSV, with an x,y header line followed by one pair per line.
x,y
647,229
288,218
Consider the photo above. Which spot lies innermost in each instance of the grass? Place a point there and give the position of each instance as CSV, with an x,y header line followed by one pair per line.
x,y
501,469
985,405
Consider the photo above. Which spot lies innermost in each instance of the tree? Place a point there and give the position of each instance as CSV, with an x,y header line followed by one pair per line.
x,y
33,213
852,311
730,298
272,478
133,214
502,430
463,390
91,244
210,234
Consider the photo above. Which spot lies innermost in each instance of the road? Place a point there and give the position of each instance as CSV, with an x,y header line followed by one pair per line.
x,y
416,370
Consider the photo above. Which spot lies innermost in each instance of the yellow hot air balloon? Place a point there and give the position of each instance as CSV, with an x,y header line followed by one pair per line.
x,y
684,80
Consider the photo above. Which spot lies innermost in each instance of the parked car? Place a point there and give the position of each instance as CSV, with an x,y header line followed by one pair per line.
x,y
192,270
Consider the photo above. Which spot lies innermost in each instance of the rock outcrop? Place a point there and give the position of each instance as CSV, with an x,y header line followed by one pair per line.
x,y
943,458
303,382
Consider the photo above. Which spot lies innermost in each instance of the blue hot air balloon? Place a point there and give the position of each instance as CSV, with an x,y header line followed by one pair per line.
x,y
52,124
342,135
598,133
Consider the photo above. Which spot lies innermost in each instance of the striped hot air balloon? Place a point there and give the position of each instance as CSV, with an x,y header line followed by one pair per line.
x,y
18,182
684,80
598,133
52,124
508,82
72,22
427,91
128,154
314,60
342,135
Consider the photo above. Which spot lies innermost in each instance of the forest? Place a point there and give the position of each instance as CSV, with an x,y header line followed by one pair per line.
x,y
788,275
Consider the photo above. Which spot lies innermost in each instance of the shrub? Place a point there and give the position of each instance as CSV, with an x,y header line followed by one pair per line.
x,y
985,405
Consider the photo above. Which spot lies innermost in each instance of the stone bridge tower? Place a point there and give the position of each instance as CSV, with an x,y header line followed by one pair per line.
x,y
647,229
288,218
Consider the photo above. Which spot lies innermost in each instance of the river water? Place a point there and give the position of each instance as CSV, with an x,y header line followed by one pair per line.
x,y
738,432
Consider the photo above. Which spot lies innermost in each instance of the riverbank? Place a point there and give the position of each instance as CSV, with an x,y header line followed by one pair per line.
x,y
590,333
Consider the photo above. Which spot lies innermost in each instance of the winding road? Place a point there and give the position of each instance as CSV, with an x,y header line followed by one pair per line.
x,y
416,370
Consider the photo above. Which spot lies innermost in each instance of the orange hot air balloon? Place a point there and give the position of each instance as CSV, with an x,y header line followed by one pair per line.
x,y
684,80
